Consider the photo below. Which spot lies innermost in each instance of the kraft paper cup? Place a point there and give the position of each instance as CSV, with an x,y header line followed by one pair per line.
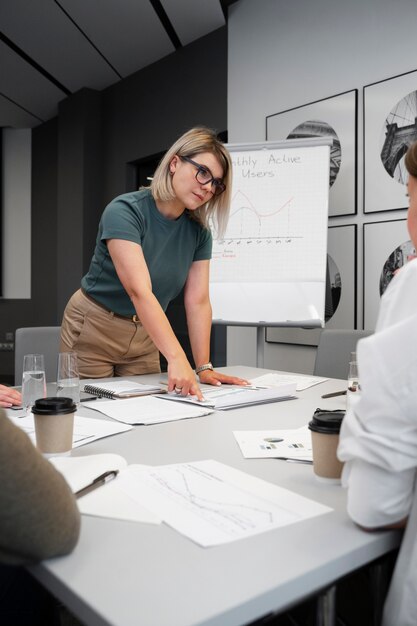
x,y
325,428
54,425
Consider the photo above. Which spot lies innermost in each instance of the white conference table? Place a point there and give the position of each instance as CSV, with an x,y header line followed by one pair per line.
x,y
131,574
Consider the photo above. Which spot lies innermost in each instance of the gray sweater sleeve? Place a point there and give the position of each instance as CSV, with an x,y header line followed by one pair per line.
x,y
39,517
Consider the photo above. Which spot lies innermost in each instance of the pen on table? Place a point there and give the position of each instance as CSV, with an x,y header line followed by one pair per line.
x,y
334,394
89,399
97,482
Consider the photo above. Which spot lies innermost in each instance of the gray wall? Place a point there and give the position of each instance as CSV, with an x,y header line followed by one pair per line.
x,y
282,55
80,160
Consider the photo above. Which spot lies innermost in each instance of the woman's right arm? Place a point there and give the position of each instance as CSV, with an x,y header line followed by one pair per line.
x,y
39,517
133,273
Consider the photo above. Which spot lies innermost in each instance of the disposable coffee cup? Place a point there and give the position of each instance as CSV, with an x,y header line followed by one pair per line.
x,y
54,425
325,429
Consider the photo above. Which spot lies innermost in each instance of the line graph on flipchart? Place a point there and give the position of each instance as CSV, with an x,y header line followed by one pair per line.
x,y
280,230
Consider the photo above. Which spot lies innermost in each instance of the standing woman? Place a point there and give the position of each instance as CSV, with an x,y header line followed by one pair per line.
x,y
150,244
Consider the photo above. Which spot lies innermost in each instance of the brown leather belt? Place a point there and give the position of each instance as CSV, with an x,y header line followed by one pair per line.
x,y
129,318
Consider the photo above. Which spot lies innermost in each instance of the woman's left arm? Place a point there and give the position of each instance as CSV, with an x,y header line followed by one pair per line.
x,y
199,319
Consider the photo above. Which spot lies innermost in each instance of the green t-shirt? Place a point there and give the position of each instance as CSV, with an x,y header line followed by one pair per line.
x,y
169,248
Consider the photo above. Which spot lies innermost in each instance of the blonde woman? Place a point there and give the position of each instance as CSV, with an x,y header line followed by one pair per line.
x,y
150,244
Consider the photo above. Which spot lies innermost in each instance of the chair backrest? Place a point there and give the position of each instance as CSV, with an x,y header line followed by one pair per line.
x,y
333,351
37,340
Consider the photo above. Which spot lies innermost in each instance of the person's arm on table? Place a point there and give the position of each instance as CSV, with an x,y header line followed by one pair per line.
x,y
39,517
199,320
9,397
378,499
133,273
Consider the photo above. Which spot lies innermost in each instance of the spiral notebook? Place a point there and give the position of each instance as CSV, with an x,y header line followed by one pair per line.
x,y
121,389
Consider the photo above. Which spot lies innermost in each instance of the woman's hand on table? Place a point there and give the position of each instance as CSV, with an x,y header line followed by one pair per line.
x,y
211,377
9,397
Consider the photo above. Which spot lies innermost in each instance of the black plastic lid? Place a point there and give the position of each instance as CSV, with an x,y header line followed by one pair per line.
x,y
327,422
54,406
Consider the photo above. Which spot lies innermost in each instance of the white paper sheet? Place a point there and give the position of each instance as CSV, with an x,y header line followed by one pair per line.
x,y
147,410
285,444
108,500
227,397
212,503
86,429
275,380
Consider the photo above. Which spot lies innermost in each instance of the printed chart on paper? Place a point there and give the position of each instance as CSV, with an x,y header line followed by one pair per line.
x,y
213,503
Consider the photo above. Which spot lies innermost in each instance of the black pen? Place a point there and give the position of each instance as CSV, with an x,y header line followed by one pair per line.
x,y
97,482
89,399
334,394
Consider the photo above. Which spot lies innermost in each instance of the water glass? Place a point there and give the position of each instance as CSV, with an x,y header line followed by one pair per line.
x,y
33,380
353,377
68,380
353,387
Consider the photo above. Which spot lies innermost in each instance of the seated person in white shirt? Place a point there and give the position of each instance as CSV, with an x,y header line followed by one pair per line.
x,y
378,440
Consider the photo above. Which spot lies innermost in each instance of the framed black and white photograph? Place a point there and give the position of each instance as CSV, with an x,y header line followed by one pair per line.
x,y
335,117
390,113
340,304
386,248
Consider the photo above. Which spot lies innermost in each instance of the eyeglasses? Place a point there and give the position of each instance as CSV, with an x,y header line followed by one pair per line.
x,y
204,176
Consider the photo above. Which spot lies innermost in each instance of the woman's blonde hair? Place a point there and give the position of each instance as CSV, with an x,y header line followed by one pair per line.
x,y
411,159
193,142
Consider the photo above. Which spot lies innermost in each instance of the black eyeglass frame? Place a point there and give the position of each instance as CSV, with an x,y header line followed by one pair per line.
x,y
217,184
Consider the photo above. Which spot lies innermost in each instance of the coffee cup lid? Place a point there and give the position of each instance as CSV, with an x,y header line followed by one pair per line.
x,y
54,406
328,422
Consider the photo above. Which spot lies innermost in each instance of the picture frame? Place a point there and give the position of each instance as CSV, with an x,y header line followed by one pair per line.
x,y
342,250
383,246
336,116
389,113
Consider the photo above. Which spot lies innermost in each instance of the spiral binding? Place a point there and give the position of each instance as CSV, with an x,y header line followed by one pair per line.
x,y
99,391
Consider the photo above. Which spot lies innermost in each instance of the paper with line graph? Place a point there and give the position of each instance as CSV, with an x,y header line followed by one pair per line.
x,y
276,235
212,503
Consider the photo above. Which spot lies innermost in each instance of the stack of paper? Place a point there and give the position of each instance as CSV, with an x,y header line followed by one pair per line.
x,y
228,397
146,410
86,429
108,500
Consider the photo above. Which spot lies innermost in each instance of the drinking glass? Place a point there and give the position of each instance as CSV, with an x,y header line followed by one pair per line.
x,y
68,380
33,380
353,377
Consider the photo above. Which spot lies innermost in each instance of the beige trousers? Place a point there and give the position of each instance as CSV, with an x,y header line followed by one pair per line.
x,y
106,345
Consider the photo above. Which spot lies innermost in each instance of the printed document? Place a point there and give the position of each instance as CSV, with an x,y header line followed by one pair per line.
x,y
268,381
212,503
146,410
108,500
292,444
231,397
86,429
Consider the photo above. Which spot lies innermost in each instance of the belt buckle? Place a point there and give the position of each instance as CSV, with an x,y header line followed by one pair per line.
x,y
135,319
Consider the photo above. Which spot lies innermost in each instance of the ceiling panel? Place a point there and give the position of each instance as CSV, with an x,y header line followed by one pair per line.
x,y
192,19
128,33
45,33
23,84
14,116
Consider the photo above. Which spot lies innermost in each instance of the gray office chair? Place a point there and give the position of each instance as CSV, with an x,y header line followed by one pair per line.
x,y
333,351
37,340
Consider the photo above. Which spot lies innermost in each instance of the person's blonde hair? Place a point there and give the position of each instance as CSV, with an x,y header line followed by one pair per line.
x,y
411,159
193,142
